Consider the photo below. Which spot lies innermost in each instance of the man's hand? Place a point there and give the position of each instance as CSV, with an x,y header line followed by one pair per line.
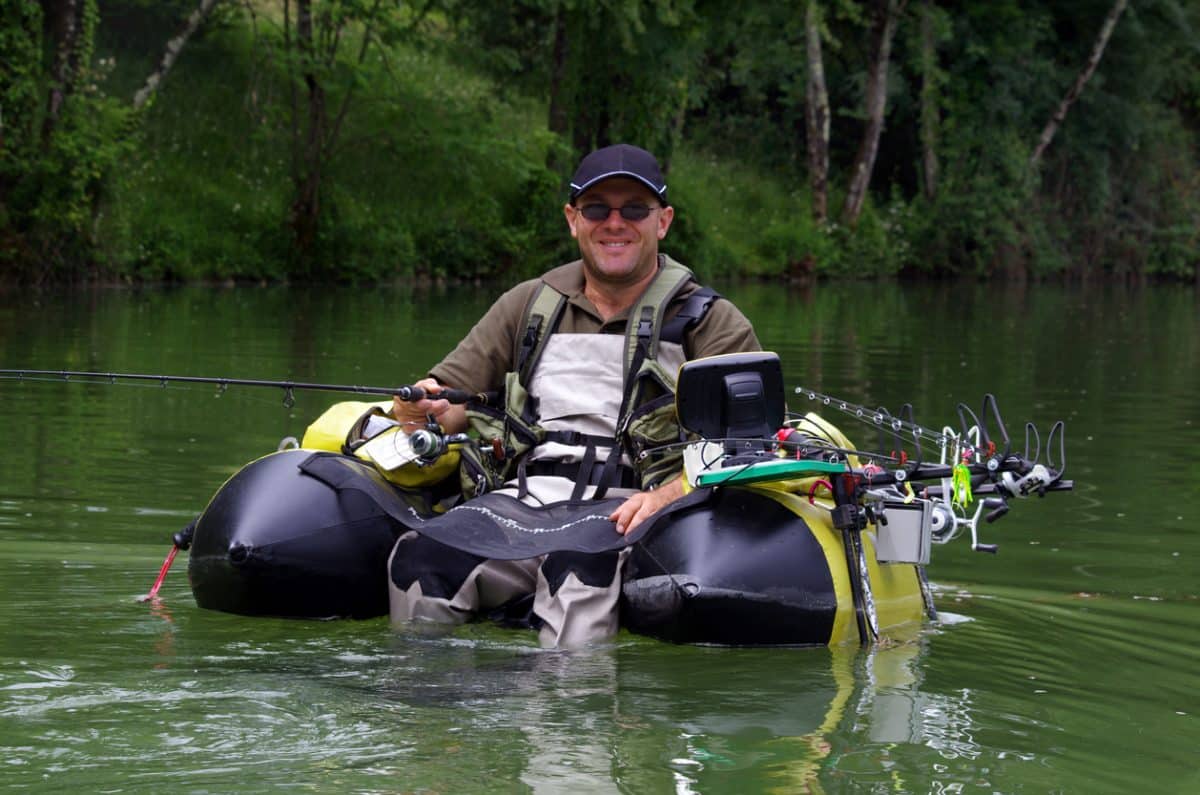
x,y
415,414
643,504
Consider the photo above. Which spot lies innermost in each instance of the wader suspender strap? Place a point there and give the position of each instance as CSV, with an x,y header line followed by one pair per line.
x,y
645,323
543,314
694,308
641,342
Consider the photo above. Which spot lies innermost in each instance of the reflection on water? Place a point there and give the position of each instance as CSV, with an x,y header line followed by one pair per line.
x,y
1069,671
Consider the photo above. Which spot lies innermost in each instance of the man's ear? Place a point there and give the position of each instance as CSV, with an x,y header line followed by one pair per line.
x,y
664,220
572,215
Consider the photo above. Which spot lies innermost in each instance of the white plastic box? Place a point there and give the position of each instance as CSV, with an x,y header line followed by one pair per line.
x,y
906,536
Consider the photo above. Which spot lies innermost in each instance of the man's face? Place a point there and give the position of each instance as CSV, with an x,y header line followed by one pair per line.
x,y
615,250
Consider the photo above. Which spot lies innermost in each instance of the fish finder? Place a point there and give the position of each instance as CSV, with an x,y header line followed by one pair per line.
x,y
736,398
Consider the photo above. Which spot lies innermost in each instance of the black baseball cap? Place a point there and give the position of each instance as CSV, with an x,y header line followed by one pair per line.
x,y
620,160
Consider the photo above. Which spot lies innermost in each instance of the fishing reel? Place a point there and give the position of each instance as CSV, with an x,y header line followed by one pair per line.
x,y
1037,480
430,444
946,525
385,442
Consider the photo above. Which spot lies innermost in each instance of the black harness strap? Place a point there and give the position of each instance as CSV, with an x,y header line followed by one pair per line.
x,y
614,455
544,313
585,468
694,308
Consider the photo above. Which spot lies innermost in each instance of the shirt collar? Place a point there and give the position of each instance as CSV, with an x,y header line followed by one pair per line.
x,y
568,280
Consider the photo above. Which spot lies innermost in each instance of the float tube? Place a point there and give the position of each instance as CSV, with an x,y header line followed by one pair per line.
x,y
276,542
762,551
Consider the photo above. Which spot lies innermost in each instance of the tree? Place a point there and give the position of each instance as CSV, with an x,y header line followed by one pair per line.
x,y
931,80
885,15
62,134
171,54
1089,68
314,36
816,113
614,70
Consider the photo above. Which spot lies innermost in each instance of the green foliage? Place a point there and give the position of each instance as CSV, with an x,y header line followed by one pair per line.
x,y
434,177
443,164
132,24
738,221
626,67
204,193
363,240
52,167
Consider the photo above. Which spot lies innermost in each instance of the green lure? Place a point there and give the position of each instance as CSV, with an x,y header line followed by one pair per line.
x,y
961,486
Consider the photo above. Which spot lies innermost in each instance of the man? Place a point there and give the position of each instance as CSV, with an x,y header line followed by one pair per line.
x,y
595,346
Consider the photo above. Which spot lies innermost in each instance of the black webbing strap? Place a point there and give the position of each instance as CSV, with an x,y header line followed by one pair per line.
x,y
522,483
614,455
626,476
582,475
577,438
529,340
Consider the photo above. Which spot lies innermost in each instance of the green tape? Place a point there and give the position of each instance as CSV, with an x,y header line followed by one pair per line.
x,y
778,469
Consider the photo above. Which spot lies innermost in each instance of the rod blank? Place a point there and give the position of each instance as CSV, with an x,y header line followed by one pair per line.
x,y
406,393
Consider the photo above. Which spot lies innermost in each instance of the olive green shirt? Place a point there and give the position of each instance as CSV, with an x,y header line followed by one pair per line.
x,y
480,361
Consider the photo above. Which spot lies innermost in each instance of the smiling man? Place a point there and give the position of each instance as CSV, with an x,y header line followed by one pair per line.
x,y
584,360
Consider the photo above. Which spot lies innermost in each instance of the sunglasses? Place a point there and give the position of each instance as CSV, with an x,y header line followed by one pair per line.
x,y
600,212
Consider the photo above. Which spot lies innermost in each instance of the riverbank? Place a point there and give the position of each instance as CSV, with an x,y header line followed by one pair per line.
x,y
432,160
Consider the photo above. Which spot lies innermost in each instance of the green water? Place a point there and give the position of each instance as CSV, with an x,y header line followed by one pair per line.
x,y
1066,663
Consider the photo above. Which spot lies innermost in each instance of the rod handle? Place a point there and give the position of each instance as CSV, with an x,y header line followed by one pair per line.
x,y
412,394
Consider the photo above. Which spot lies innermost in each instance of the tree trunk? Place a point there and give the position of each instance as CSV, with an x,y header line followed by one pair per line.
x,y
883,30
306,207
816,114
558,65
557,119
675,130
62,24
1089,68
174,47
603,127
930,121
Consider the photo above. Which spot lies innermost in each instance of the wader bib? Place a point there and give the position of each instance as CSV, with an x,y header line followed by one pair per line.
x,y
574,399
582,418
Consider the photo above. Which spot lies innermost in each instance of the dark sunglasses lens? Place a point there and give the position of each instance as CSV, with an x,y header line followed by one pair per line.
x,y
600,212
595,212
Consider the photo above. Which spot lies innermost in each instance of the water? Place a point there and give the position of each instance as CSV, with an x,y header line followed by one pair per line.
x,y
1066,663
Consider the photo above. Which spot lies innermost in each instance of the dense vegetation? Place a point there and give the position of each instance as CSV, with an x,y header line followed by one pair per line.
x,y
375,139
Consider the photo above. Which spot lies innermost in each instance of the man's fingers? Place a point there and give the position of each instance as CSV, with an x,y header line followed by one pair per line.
x,y
633,512
625,513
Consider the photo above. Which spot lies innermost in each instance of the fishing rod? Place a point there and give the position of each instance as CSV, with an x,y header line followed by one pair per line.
x,y
405,393
951,443
880,417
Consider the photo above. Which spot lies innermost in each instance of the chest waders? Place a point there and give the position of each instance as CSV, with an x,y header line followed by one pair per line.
x,y
508,425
